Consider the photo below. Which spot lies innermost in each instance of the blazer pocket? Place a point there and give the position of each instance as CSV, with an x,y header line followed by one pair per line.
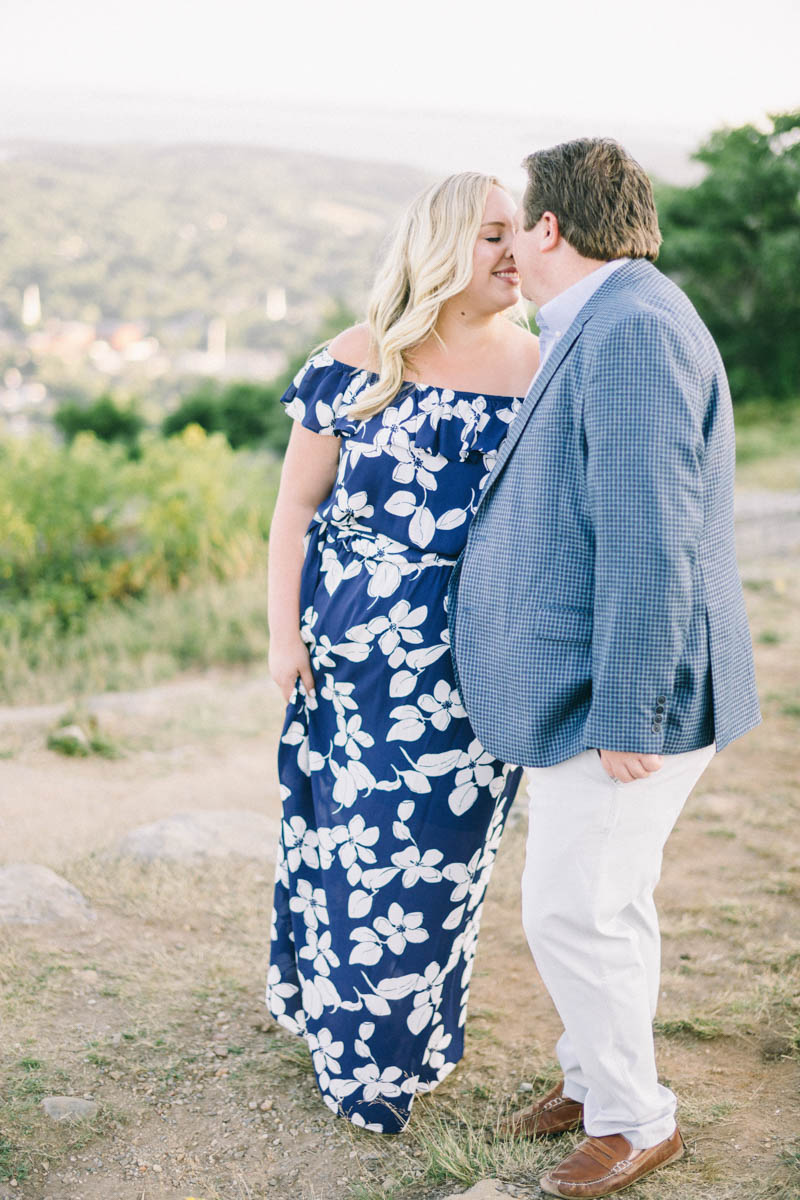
x,y
563,624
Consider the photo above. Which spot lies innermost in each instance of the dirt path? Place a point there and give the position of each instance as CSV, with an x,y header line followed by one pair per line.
x,y
154,1008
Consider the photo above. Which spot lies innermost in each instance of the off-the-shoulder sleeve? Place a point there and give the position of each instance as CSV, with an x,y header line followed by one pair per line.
x,y
320,394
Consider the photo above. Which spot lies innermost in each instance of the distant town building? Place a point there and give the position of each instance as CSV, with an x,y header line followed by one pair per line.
x,y
67,340
125,335
31,305
217,336
261,366
276,304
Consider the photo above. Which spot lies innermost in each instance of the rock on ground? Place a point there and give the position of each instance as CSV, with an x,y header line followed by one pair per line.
x,y
203,833
69,739
487,1189
69,1108
31,894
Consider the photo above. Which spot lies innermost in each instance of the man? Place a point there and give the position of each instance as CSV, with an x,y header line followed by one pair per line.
x,y
599,632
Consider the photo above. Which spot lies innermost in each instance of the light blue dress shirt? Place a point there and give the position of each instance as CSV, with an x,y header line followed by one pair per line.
x,y
555,317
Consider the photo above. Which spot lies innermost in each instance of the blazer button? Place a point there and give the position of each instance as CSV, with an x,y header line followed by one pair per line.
x,y
656,727
661,699
659,708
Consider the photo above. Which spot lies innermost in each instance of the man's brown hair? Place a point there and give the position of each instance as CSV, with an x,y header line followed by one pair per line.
x,y
602,198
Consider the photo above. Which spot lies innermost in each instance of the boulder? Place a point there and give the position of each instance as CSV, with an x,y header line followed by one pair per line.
x,y
31,895
202,834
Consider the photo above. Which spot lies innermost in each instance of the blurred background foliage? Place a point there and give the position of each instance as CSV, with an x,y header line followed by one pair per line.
x,y
732,242
132,533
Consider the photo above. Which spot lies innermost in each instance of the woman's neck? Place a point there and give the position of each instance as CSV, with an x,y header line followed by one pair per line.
x,y
458,327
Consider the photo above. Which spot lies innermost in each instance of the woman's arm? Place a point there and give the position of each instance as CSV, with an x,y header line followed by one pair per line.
x,y
309,472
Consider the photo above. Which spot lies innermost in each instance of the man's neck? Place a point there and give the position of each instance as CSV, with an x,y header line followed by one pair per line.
x,y
569,273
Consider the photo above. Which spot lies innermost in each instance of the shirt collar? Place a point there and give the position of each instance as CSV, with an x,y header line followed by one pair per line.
x,y
557,314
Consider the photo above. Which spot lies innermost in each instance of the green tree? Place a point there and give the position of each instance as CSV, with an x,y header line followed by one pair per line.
x,y
732,242
200,407
251,413
106,419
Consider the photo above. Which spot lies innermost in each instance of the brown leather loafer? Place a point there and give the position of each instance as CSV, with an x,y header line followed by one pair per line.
x,y
552,1114
602,1165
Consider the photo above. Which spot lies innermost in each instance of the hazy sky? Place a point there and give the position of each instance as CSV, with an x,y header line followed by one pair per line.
x,y
688,63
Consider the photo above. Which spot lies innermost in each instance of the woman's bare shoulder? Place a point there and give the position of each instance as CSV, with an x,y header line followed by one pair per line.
x,y
351,346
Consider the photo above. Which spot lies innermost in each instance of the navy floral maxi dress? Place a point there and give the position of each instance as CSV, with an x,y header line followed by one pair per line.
x,y
392,810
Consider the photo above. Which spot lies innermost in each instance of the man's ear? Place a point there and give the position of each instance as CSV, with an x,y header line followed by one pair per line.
x,y
550,233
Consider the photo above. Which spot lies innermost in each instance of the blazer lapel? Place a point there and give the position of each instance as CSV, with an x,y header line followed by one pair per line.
x,y
554,360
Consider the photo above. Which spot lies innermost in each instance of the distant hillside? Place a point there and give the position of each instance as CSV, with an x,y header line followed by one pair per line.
x,y
171,236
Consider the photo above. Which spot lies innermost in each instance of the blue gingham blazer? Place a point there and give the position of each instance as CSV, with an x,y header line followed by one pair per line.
x,y
597,602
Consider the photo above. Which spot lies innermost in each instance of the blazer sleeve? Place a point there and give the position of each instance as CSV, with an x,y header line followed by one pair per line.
x,y
643,424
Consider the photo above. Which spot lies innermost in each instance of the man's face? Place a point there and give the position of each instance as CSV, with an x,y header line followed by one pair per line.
x,y
527,256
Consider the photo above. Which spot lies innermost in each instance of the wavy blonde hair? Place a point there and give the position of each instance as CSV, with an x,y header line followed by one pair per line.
x,y
429,260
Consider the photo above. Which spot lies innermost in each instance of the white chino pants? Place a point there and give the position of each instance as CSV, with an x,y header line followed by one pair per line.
x,y
593,860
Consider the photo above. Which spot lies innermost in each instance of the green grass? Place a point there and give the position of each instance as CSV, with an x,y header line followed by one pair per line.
x,y
704,1029
462,1149
768,445
27,1134
141,643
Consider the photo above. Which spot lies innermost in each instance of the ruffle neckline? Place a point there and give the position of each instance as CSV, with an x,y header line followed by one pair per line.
x,y
454,423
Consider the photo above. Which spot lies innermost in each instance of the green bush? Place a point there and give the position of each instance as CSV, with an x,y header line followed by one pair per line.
x,y
248,414
200,407
84,525
104,417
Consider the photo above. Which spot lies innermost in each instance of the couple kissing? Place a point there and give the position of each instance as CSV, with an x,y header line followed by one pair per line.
x,y
495,555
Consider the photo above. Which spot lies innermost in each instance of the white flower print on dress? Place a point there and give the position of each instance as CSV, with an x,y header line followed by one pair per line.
x,y
351,736
311,902
399,625
325,1054
444,705
384,560
353,841
278,993
350,512
477,769
301,843
339,694
418,865
318,950
399,928
378,1083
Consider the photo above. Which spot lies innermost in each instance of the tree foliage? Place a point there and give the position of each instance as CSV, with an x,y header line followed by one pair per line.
x,y
104,417
732,242
246,413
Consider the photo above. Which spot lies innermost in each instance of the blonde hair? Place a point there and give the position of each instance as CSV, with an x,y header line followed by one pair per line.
x,y
429,261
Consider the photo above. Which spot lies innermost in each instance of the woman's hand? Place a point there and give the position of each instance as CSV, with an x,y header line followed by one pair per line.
x,y
287,660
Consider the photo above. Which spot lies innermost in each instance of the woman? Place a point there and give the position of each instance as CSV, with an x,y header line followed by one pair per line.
x,y
392,810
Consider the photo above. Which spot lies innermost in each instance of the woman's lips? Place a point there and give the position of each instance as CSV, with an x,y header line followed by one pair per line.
x,y
510,275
